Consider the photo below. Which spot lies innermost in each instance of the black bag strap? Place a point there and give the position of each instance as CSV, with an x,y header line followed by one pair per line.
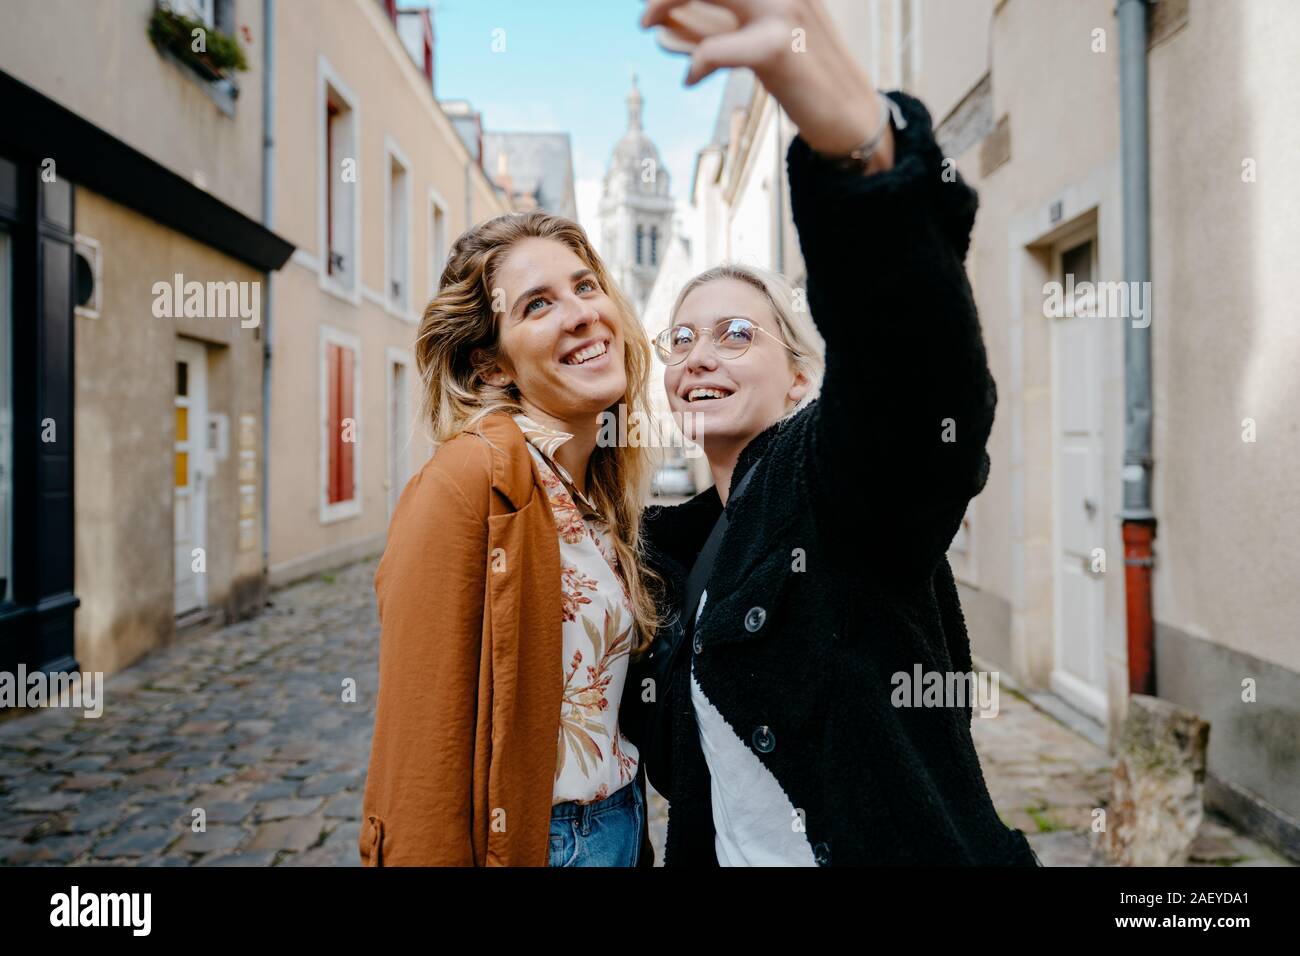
x,y
656,745
703,565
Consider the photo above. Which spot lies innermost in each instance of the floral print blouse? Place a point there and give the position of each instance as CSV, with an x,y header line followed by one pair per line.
x,y
593,758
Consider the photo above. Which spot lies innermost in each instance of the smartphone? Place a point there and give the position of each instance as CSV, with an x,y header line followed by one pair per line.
x,y
690,23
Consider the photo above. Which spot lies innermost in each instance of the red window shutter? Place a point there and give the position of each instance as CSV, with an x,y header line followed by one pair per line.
x,y
346,411
332,421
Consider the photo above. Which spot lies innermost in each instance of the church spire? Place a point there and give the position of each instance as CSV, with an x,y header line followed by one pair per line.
x,y
634,107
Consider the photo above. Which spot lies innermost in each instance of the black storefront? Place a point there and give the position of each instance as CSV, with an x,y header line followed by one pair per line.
x,y
46,153
37,219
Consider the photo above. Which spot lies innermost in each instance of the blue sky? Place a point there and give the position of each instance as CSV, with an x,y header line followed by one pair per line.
x,y
567,66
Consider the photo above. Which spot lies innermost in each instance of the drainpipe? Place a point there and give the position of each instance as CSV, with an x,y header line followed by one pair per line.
x,y
1138,520
268,220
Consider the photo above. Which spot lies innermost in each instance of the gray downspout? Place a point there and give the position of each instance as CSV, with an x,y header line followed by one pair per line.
x,y
268,220
1137,516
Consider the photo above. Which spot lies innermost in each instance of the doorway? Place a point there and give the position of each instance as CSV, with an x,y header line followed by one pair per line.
x,y
1080,508
190,476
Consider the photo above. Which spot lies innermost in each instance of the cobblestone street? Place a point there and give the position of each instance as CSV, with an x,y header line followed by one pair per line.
x,y
248,723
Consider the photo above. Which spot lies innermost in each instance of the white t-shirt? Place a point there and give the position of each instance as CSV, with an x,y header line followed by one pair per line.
x,y
753,819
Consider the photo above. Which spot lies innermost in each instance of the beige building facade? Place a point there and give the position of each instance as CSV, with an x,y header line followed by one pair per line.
x,y
132,446
1025,98
216,249
371,185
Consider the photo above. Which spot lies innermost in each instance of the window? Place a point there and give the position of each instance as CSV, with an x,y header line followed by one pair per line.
x,y
906,43
218,14
437,241
204,10
341,425
224,16
640,242
398,249
216,19
340,198
399,425
654,245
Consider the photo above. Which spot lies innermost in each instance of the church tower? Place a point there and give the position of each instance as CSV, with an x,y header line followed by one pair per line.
x,y
636,209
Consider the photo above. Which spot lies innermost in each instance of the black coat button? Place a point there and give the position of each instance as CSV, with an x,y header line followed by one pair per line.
x,y
764,739
754,619
822,854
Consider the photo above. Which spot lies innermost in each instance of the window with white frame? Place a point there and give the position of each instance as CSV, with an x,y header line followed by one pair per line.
x,y
437,241
397,291
340,197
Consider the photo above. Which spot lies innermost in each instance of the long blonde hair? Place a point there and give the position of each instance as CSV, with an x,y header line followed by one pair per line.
x,y
459,341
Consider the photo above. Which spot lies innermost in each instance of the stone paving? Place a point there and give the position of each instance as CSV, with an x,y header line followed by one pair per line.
x,y
1046,780
248,723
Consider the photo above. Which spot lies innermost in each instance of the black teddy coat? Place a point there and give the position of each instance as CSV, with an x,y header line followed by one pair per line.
x,y
841,538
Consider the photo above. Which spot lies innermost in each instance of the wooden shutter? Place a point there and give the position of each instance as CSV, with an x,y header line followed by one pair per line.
x,y
332,420
346,411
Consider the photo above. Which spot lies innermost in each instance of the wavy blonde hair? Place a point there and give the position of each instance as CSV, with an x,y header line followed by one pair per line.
x,y
459,341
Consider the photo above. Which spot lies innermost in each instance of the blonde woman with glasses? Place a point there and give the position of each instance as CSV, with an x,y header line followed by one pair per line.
x,y
813,573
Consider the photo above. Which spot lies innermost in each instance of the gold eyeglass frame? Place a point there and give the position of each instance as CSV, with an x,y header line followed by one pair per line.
x,y
659,349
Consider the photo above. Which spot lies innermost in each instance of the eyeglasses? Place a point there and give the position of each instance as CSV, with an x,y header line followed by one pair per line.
x,y
732,338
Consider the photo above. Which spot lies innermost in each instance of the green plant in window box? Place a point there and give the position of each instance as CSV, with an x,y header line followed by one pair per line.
x,y
174,32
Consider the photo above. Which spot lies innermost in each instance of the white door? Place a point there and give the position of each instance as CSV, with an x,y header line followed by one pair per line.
x,y
399,424
1081,510
190,475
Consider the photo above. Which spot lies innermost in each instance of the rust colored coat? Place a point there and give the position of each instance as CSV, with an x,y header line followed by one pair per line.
x,y
462,763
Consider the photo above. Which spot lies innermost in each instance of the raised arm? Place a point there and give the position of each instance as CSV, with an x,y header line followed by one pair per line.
x,y
895,447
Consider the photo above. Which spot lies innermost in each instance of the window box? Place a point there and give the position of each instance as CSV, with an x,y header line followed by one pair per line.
x,y
172,32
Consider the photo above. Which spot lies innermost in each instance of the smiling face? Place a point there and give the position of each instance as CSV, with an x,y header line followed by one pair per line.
x,y
732,400
561,341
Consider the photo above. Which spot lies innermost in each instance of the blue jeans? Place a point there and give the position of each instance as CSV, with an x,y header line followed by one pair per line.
x,y
604,833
